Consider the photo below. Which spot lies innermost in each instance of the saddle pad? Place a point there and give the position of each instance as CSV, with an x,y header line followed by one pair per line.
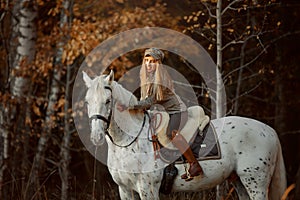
x,y
205,146
196,120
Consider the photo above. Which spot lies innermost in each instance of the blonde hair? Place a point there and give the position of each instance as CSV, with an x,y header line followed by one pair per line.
x,y
157,84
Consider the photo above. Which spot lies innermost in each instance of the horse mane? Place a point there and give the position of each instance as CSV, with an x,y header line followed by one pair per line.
x,y
122,95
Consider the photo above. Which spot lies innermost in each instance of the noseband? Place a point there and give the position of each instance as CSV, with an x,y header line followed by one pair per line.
x,y
108,120
101,117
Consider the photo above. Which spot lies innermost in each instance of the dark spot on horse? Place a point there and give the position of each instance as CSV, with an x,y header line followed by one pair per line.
x,y
240,153
246,123
262,134
265,163
229,123
241,141
232,127
260,159
256,168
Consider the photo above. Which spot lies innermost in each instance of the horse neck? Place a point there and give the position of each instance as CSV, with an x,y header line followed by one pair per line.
x,y
121,94
127,125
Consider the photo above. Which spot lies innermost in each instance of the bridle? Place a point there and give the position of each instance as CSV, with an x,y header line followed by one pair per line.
x,y
108,121
101,117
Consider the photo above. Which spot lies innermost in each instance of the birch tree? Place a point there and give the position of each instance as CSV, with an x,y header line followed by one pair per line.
x,y
3,120
53,99
21,55
64,170
219,97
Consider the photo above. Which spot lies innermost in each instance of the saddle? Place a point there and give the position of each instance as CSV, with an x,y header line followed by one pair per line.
x,y
196,120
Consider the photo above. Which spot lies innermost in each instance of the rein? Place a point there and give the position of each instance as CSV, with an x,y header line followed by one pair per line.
x,y
108,121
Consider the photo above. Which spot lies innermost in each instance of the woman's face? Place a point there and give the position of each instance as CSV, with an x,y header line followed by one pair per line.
x,y
150,63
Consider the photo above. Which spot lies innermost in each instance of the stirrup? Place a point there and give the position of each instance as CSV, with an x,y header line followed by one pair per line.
x,y
187,177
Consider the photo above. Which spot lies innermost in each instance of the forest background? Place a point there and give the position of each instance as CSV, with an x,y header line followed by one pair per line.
x,y
43,44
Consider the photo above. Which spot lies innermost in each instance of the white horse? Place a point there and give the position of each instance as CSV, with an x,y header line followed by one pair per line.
x,y
249,148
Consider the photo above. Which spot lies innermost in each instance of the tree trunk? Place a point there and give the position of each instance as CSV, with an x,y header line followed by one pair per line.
x,y
65,156
21,55
64,150
3,152
219,96
52,100
22,50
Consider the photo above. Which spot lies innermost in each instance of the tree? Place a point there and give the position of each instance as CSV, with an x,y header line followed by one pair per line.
x,y
49,122
21,56
247,28
243,24
66,140
38,149
36,123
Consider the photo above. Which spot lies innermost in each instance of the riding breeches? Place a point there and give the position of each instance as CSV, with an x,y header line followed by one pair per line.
x,y
176,122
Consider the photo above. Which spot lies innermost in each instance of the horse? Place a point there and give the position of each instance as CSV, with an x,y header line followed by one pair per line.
x,y
249,148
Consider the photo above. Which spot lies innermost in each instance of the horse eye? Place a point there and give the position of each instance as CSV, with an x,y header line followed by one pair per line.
x,y
107,101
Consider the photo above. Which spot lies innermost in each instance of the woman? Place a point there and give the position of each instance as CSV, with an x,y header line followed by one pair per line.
x,y
157,92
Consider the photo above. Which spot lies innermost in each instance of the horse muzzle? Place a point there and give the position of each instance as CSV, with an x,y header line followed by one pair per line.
x,y
97,132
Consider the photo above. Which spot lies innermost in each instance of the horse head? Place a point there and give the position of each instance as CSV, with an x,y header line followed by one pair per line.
x,y
99,105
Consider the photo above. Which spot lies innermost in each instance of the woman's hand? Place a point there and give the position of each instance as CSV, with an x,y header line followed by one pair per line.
x,y
121,107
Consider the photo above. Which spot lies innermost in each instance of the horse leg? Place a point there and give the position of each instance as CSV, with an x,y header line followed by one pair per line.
x,y
255,174
240,189
256,183
126,194
148,185
149,193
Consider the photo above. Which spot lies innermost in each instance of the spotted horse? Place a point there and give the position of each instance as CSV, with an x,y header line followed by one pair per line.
x,y
250,149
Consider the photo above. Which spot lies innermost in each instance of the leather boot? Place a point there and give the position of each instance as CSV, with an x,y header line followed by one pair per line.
x,y
182,145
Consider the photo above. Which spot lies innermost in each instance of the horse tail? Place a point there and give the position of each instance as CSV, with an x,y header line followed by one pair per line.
x,y
278,182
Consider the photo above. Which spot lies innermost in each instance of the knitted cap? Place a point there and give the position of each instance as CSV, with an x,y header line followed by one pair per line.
x,y
155,53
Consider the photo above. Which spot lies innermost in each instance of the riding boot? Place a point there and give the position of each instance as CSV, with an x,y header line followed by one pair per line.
x,y
179,141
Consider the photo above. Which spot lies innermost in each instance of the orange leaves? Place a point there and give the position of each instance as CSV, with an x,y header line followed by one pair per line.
x,y
36,110
61,103
83,39
89,31
57,9
230,30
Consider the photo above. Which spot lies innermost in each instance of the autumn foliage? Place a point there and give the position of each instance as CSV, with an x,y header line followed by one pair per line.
x,y
260,51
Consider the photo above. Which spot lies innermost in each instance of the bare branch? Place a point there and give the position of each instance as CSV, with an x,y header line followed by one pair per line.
x,y
209,10
229,6
245,65
248,92
189,85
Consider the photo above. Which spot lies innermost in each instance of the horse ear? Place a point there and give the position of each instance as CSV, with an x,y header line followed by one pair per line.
x,y
110,77
87,79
